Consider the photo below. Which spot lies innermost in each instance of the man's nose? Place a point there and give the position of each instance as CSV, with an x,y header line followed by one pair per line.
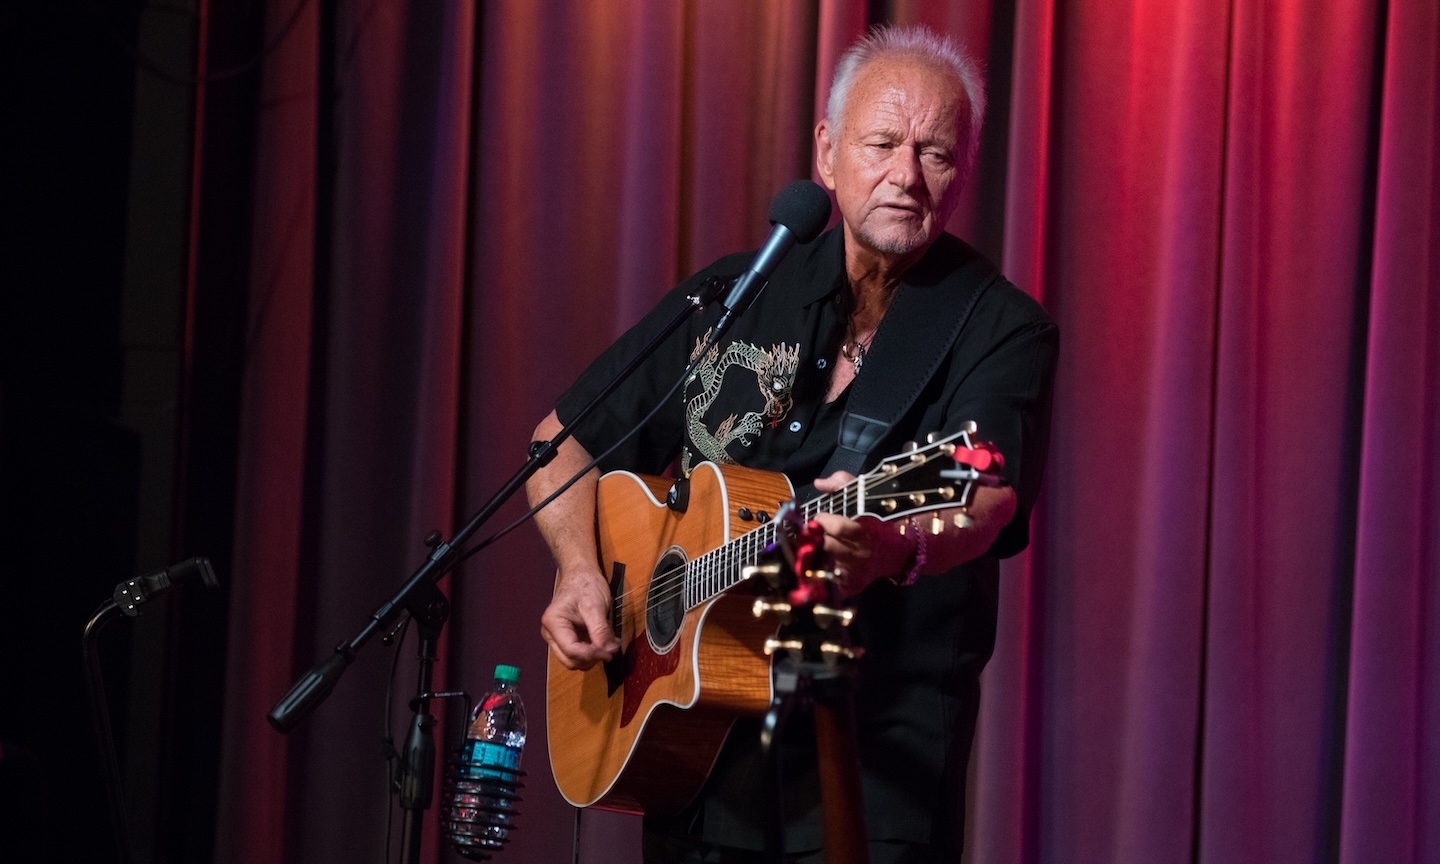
x,y
905,170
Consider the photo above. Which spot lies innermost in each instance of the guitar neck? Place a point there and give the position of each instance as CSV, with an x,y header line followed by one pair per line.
x,y
941,474
720,569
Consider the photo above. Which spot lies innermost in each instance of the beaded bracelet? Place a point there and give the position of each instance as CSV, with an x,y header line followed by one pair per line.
x,y
918,562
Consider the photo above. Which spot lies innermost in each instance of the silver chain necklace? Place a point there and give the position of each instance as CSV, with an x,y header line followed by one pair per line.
x,y
854,350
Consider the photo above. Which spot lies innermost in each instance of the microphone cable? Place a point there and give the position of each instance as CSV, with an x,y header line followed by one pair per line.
x,y
565,487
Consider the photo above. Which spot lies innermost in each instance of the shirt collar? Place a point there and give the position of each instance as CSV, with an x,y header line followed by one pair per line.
x,y
826,260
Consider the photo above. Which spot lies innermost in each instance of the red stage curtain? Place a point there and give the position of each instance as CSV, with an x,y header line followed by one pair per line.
x,y
1223,643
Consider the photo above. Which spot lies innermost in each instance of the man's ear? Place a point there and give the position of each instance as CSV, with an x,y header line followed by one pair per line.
x,y
825,154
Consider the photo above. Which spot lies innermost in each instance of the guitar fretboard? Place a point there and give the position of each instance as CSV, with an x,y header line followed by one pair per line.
x,y
720,569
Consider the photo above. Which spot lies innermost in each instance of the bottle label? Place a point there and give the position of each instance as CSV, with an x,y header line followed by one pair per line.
x,y
484,759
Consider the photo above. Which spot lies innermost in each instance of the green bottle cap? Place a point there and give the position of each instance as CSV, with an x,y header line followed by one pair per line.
x,y
507,673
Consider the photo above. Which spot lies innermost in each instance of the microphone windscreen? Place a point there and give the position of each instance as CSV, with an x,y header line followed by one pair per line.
x,y
803,207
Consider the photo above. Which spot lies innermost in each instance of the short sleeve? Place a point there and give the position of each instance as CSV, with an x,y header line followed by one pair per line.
x,y
1008,393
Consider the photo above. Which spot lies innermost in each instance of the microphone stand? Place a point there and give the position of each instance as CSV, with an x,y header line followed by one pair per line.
x,y
417,761
427,605
128,598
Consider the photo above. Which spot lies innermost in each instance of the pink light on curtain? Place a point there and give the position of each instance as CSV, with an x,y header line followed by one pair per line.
x,y
1293,244
1229,213
1391,797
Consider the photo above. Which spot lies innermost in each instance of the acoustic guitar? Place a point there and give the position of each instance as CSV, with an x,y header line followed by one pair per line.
x,y
640,733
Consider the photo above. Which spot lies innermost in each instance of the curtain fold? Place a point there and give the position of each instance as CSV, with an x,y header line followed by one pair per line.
x,y
1221,644
1291,346
255,794
1391,803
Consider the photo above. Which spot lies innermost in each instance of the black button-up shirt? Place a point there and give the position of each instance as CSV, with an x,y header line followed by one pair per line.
x,y
758,400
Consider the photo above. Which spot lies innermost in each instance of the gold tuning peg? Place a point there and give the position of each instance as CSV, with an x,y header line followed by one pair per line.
x,y
845,651
932,437
762,607
769,571
772,645
828,614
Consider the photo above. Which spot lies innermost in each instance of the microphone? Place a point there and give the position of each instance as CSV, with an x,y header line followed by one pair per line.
x,y
799,213
131,594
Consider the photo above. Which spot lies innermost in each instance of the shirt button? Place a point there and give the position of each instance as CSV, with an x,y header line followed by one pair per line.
x,y
795,426
820,364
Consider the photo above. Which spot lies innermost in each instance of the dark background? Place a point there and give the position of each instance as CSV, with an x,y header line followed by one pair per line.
x,y
116,439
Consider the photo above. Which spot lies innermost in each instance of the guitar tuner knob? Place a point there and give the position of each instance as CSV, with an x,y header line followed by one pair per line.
x,y
932,437
910,446
917,498
772,645
745,514
888,468
827,615
917,457
947,449
762,515
763,607
888,505
769,572
845,651
947,492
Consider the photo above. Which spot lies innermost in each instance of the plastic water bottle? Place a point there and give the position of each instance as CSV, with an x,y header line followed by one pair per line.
x,y
477,810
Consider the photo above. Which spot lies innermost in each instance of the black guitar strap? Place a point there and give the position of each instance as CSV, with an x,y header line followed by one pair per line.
x,y
913,339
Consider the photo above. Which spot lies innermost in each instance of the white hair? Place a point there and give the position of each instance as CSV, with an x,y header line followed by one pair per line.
x,y
921,42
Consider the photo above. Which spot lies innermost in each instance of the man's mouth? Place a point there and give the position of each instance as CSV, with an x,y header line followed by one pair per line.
x,y
909,209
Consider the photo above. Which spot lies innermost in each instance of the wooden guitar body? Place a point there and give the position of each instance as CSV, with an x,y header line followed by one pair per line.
x,y
640,734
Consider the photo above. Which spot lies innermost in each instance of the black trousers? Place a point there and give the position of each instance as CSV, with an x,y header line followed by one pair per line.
x,y
667,849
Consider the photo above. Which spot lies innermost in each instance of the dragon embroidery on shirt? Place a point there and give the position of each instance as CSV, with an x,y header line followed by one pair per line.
x,y
774,376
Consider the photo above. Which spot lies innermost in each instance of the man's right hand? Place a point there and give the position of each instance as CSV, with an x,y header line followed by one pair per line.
x,y
576,624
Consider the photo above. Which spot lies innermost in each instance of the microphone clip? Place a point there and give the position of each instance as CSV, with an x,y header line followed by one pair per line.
x,y
710,290
131,594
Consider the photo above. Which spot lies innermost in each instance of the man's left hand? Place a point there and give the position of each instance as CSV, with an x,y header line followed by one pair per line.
x,y
863,549
867,549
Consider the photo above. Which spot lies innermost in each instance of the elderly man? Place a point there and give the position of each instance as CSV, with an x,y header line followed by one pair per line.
x,y
898,140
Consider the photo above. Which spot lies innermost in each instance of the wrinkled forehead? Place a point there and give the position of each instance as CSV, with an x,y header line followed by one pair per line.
x,y
905,90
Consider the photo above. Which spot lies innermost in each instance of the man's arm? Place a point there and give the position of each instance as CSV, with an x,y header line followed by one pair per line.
x,y
576,624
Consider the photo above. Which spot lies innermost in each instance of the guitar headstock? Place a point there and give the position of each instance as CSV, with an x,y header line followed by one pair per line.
x,y
804,595
942,473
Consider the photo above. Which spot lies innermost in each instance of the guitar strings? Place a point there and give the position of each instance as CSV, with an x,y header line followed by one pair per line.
x,y
728,571
717,555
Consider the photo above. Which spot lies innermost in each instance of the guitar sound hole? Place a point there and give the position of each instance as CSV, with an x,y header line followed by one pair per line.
x,y
665,601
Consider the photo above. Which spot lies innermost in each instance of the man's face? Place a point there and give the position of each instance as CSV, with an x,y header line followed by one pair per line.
x,y
894,161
